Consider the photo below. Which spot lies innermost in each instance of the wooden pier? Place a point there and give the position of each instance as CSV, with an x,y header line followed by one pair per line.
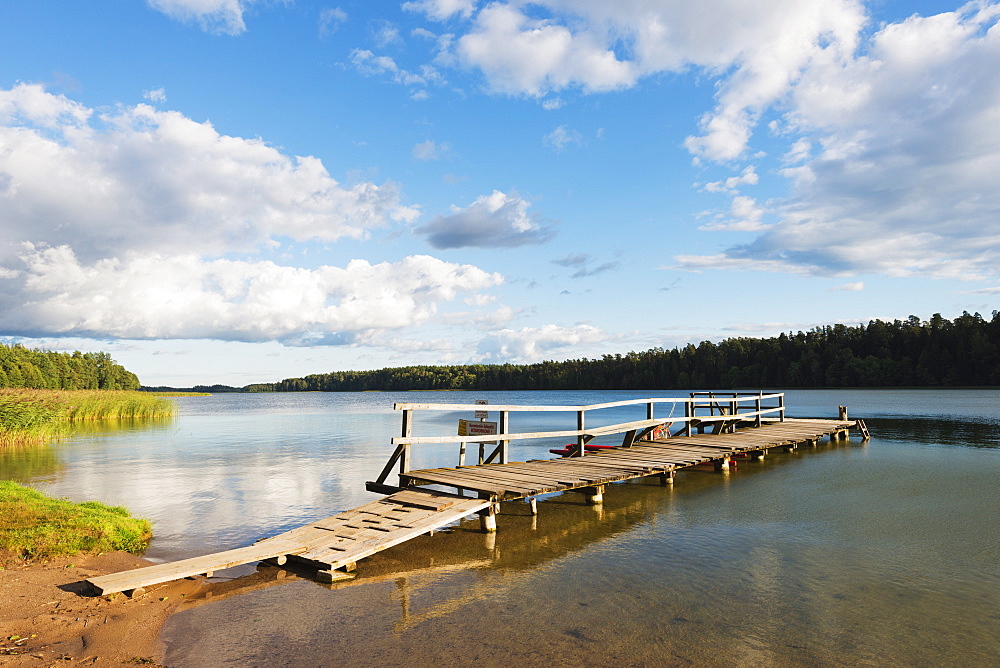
x,y
715,428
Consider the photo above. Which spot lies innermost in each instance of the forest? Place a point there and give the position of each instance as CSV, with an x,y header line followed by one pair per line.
x,y
22,367
938,352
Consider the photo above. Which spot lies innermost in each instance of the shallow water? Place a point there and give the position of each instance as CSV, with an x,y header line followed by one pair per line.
x,y
877,553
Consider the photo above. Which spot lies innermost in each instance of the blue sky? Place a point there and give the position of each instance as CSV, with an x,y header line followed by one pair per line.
x,y
241,191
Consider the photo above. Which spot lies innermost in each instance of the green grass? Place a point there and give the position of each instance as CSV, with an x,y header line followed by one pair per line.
x,y
36,416
35,526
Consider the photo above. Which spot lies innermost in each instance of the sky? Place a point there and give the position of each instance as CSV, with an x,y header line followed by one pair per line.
x,y
240,191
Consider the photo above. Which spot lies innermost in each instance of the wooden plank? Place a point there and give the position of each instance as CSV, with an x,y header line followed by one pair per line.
x,y
150,575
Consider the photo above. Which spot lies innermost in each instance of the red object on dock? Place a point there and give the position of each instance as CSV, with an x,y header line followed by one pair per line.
x,y
571,447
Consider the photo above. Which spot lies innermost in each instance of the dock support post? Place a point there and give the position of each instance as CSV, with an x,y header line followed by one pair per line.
x,y
488,518
722,464
759,455
407,431
593,495
504,445
842,413
333,576
533,504
666,478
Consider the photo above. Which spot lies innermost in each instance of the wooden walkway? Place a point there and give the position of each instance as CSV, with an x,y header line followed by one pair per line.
x,y
663,456
334,545
329,544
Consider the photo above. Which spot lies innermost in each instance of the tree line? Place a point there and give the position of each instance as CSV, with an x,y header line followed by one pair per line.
x,y
46,370
902,353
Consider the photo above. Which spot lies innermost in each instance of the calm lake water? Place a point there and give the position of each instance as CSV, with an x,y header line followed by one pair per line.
x,y
880,553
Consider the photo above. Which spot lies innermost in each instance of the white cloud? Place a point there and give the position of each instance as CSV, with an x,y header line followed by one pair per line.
x,y
732,184
519,54
136,178
369,64
562,137
216,16
745,215
156,95
330,20
153,296
441,10
904,181
856,286
429,150
756,51
495,220
534,344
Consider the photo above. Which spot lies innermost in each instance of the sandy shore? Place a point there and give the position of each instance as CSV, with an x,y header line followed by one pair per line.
x,y
49,618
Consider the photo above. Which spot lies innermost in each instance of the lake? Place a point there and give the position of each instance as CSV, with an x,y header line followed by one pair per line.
x,y
882,552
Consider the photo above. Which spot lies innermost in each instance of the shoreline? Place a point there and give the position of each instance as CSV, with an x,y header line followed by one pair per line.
x,y
47,618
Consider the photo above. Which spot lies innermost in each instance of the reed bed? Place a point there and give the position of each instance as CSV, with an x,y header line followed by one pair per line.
x,y
36,416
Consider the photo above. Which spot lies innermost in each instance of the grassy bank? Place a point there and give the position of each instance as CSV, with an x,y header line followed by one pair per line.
x,y
35,416
34,526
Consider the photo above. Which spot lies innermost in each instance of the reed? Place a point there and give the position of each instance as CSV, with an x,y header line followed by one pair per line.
x,y
35,526
36,416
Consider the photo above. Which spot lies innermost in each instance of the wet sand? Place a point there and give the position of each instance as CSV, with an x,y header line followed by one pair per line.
x,y
48,617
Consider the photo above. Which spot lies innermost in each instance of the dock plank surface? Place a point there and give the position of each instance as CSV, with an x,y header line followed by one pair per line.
x,y
648,457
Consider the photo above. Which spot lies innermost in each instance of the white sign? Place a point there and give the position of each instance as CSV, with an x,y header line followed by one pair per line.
x,y
472,428
482,415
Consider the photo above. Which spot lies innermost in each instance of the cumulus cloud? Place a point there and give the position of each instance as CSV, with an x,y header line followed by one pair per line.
x,y
216,16
495,220
522,55
756,51
534,344
904,182
153,296
135,178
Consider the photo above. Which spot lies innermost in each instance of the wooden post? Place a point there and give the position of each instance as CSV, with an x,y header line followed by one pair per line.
x,y
488,519
722,464
580,440
757,407
533,504
688,410
666,478
842,411
407,431
503,429
594,495
461,454
781,405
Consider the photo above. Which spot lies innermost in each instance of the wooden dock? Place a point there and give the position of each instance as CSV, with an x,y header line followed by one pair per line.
x,y
335,544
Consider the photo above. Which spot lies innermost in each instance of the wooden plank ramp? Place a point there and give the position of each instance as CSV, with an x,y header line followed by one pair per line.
x,y
329,544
